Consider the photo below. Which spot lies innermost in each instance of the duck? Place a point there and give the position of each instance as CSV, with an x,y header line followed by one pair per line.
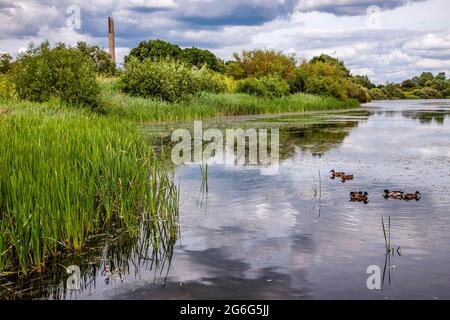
x,y
346,177
336,174
359,196
412,196
398,194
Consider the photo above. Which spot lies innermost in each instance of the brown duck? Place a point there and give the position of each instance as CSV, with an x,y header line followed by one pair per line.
x,y
359,196
346,177
335,174
412,196
393,194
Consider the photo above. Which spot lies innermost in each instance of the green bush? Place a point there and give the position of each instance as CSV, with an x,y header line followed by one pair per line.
x,y
362,95
63,73
276,86
7,90
5,62
165,80
209,81
103,64
268,87
377,94
261,63
251,86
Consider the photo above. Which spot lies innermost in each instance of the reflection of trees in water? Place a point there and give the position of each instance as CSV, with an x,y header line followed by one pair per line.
x,y
426,117
125,252
314,138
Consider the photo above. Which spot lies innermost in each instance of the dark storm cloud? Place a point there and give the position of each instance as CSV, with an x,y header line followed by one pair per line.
x,y
232,12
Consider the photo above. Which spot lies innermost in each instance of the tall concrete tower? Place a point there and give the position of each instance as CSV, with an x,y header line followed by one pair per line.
x,y
112,41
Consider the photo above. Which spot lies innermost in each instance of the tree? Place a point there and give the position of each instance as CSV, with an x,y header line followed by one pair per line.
x,y
441,76
102,61
154,50
424,78
200,57
5,62
363,81
259,63
329,59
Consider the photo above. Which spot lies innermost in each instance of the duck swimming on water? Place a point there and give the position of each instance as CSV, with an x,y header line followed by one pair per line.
x,y
346,177
359,196
393,194
412,196
335,174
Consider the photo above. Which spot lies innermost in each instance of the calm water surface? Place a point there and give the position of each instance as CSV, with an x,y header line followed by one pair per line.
x,y
268,237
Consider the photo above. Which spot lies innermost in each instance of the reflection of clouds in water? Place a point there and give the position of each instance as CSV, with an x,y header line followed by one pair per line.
x,y
258,226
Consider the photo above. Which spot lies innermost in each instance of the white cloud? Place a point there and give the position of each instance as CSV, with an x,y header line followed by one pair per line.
x,y
412,37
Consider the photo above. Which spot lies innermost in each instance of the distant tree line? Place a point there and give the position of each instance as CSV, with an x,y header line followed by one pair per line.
x,y
265,73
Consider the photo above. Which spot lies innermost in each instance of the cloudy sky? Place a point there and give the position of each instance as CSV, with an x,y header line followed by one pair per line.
x,y
388,40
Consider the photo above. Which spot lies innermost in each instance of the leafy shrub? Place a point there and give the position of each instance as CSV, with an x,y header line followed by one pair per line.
x,y
62,73
5,62
154,50
101,59
276,86
260,63
161,50
200,58
363,95
166,80
7,90
377,94
269,87
209,81
251,86
392,91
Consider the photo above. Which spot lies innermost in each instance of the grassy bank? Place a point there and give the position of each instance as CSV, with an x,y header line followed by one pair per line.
x,y
207,105
66,174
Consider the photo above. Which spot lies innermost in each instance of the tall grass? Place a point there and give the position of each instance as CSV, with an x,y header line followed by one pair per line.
x,y
65,176
209,105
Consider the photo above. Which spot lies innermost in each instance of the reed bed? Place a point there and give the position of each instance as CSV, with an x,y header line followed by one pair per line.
x,y
66,176
207,105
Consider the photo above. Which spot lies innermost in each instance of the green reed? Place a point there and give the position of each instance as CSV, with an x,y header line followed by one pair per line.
x,y
210,105
65,175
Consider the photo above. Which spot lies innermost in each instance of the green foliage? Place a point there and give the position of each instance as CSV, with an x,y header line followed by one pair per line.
x,y
209,81
333,61
268,86
166,80
169,80
363,81
161,50
323,76
102,61
260,63
276,86
66,176
251,86
63,73
199,58
392,91
154,50
7,90
377,94
233,69
206,105
5,62
424,78
425,86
